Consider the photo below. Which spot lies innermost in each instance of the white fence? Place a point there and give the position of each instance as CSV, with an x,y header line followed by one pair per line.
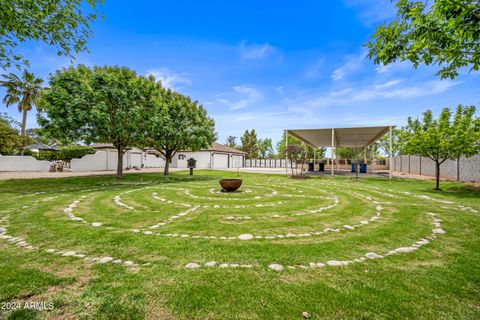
x,y
23,163
268,163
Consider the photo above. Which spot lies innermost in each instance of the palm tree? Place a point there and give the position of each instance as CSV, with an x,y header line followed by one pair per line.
x,y
22,91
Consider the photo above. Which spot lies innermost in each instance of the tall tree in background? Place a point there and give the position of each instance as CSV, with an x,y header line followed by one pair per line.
x,y
175,123
103,104
10,141
231,142
319,152
384,143
64,24
265,148
250,144
441,32
23,92
441,139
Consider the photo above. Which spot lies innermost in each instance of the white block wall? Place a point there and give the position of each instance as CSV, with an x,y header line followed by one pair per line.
x,y
23,163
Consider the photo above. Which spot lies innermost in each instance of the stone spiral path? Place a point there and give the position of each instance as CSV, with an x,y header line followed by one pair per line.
x,y
312,209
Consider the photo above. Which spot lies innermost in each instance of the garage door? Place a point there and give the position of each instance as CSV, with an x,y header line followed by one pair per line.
x,y
220,160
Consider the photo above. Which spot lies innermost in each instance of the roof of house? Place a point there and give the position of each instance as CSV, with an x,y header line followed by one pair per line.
x,y
222,148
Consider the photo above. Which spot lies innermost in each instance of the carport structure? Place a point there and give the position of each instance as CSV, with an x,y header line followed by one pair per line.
x,y
354,137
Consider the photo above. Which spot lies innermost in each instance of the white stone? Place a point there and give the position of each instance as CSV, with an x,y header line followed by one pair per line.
x,y
320,264
105,260
223,265
334,263
211,264
276,267
50,250
245,237
192,266
348,227
405,249
96,224
117,261
373,255
69,254
439,231
128,263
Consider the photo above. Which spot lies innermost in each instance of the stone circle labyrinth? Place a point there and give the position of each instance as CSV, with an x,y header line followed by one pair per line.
x,y
272,223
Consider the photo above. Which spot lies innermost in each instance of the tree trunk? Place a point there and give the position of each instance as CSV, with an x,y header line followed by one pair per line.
x,y
23,130
437,175
120,163
167,165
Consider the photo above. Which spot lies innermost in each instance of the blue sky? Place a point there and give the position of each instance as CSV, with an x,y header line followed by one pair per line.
x,y
267,65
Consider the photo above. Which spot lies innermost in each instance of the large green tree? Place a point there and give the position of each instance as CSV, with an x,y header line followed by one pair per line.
x,y
64,24
441,32
175,123
231,142
24,92
100,104
265,148
10,140
250,144
443,138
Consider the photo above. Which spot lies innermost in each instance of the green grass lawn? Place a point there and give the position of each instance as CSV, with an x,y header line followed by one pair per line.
x,y
146,247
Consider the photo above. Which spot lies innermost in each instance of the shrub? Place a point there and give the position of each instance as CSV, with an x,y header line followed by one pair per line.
x,y
66,154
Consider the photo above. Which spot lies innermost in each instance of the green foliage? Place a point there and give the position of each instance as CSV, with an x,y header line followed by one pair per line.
x,y
443,138
441,32
10,141
66,154
174,123
64,24
41,136
265,148
250,144
231,142
384,143
297,153
24,92
100,104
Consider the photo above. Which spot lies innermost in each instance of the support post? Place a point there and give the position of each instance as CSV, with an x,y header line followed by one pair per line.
x,y
390,150
333,151
286,156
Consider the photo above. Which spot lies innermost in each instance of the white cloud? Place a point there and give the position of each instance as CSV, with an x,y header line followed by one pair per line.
x,y
279,90
169,79
387,91
255,51
242,97
352,63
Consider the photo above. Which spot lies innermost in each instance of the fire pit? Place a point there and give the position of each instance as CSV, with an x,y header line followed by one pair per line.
x,y
230,185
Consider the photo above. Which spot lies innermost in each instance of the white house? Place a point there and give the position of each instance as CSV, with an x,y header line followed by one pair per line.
x,y
106,159
218,156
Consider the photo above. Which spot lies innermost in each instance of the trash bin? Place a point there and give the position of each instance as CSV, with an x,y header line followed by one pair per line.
x,y
363,168
310,166
354,167
321,167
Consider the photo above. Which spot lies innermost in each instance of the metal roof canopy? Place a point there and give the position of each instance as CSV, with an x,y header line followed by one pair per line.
x,y
344,137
